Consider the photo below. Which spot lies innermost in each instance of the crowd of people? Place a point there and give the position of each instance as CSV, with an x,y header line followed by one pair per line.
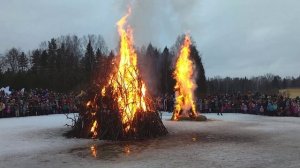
x,y
43,102
35,102
259,104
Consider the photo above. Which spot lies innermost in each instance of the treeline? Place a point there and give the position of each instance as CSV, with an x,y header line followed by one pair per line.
x,y
60,64
71,63
268,84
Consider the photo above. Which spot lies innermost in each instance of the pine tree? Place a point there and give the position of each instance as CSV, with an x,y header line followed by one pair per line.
x,y
23,62
167,81
89,60
36,60
200,78
150,69
99,56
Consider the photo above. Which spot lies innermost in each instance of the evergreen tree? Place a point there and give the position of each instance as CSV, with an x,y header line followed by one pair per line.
x,y
99,56
51,64
36,60
200,72
111,55
23,62
44,62
167,81
52,47
150,69
89,58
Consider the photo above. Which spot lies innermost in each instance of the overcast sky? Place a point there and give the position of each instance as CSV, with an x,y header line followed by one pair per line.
x,y
235,37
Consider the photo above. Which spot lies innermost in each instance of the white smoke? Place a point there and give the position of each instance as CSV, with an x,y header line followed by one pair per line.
x,y
158,21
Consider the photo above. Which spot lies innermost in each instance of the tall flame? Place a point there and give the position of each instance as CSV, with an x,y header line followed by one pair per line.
x,y
129,91
185,84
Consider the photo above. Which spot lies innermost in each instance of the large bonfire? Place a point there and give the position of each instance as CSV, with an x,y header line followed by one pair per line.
x,y
121,109
184,75
126,86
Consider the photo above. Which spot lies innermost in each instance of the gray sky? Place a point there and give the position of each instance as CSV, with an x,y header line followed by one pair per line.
x,y
236,37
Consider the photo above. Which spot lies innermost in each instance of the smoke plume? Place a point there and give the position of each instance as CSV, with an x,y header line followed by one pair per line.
x,y
158,21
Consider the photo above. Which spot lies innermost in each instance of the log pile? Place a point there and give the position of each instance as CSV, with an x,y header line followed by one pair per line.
x,y
109,126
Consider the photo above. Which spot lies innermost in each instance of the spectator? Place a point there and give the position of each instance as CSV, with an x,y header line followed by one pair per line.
x,y
272,105
35,102
2,107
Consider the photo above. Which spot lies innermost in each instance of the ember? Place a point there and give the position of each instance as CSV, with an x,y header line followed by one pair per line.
x,y
121,110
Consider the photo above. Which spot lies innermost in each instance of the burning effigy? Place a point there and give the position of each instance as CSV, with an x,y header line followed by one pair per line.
x,y
185,76
121,110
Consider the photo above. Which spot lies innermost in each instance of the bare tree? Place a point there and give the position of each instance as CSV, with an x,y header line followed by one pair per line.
x,y
2,64
12,59
97,42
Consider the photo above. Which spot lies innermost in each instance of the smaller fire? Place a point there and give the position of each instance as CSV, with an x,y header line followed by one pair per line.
x,y
185,83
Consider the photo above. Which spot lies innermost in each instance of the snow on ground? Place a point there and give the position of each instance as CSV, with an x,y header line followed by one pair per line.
x,y
33,134
232,140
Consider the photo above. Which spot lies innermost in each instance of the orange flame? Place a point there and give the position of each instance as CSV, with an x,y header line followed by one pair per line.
x,y
185,84
94,129
127,89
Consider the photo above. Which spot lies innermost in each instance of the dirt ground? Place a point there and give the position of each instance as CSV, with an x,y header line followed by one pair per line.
x,y
232,140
